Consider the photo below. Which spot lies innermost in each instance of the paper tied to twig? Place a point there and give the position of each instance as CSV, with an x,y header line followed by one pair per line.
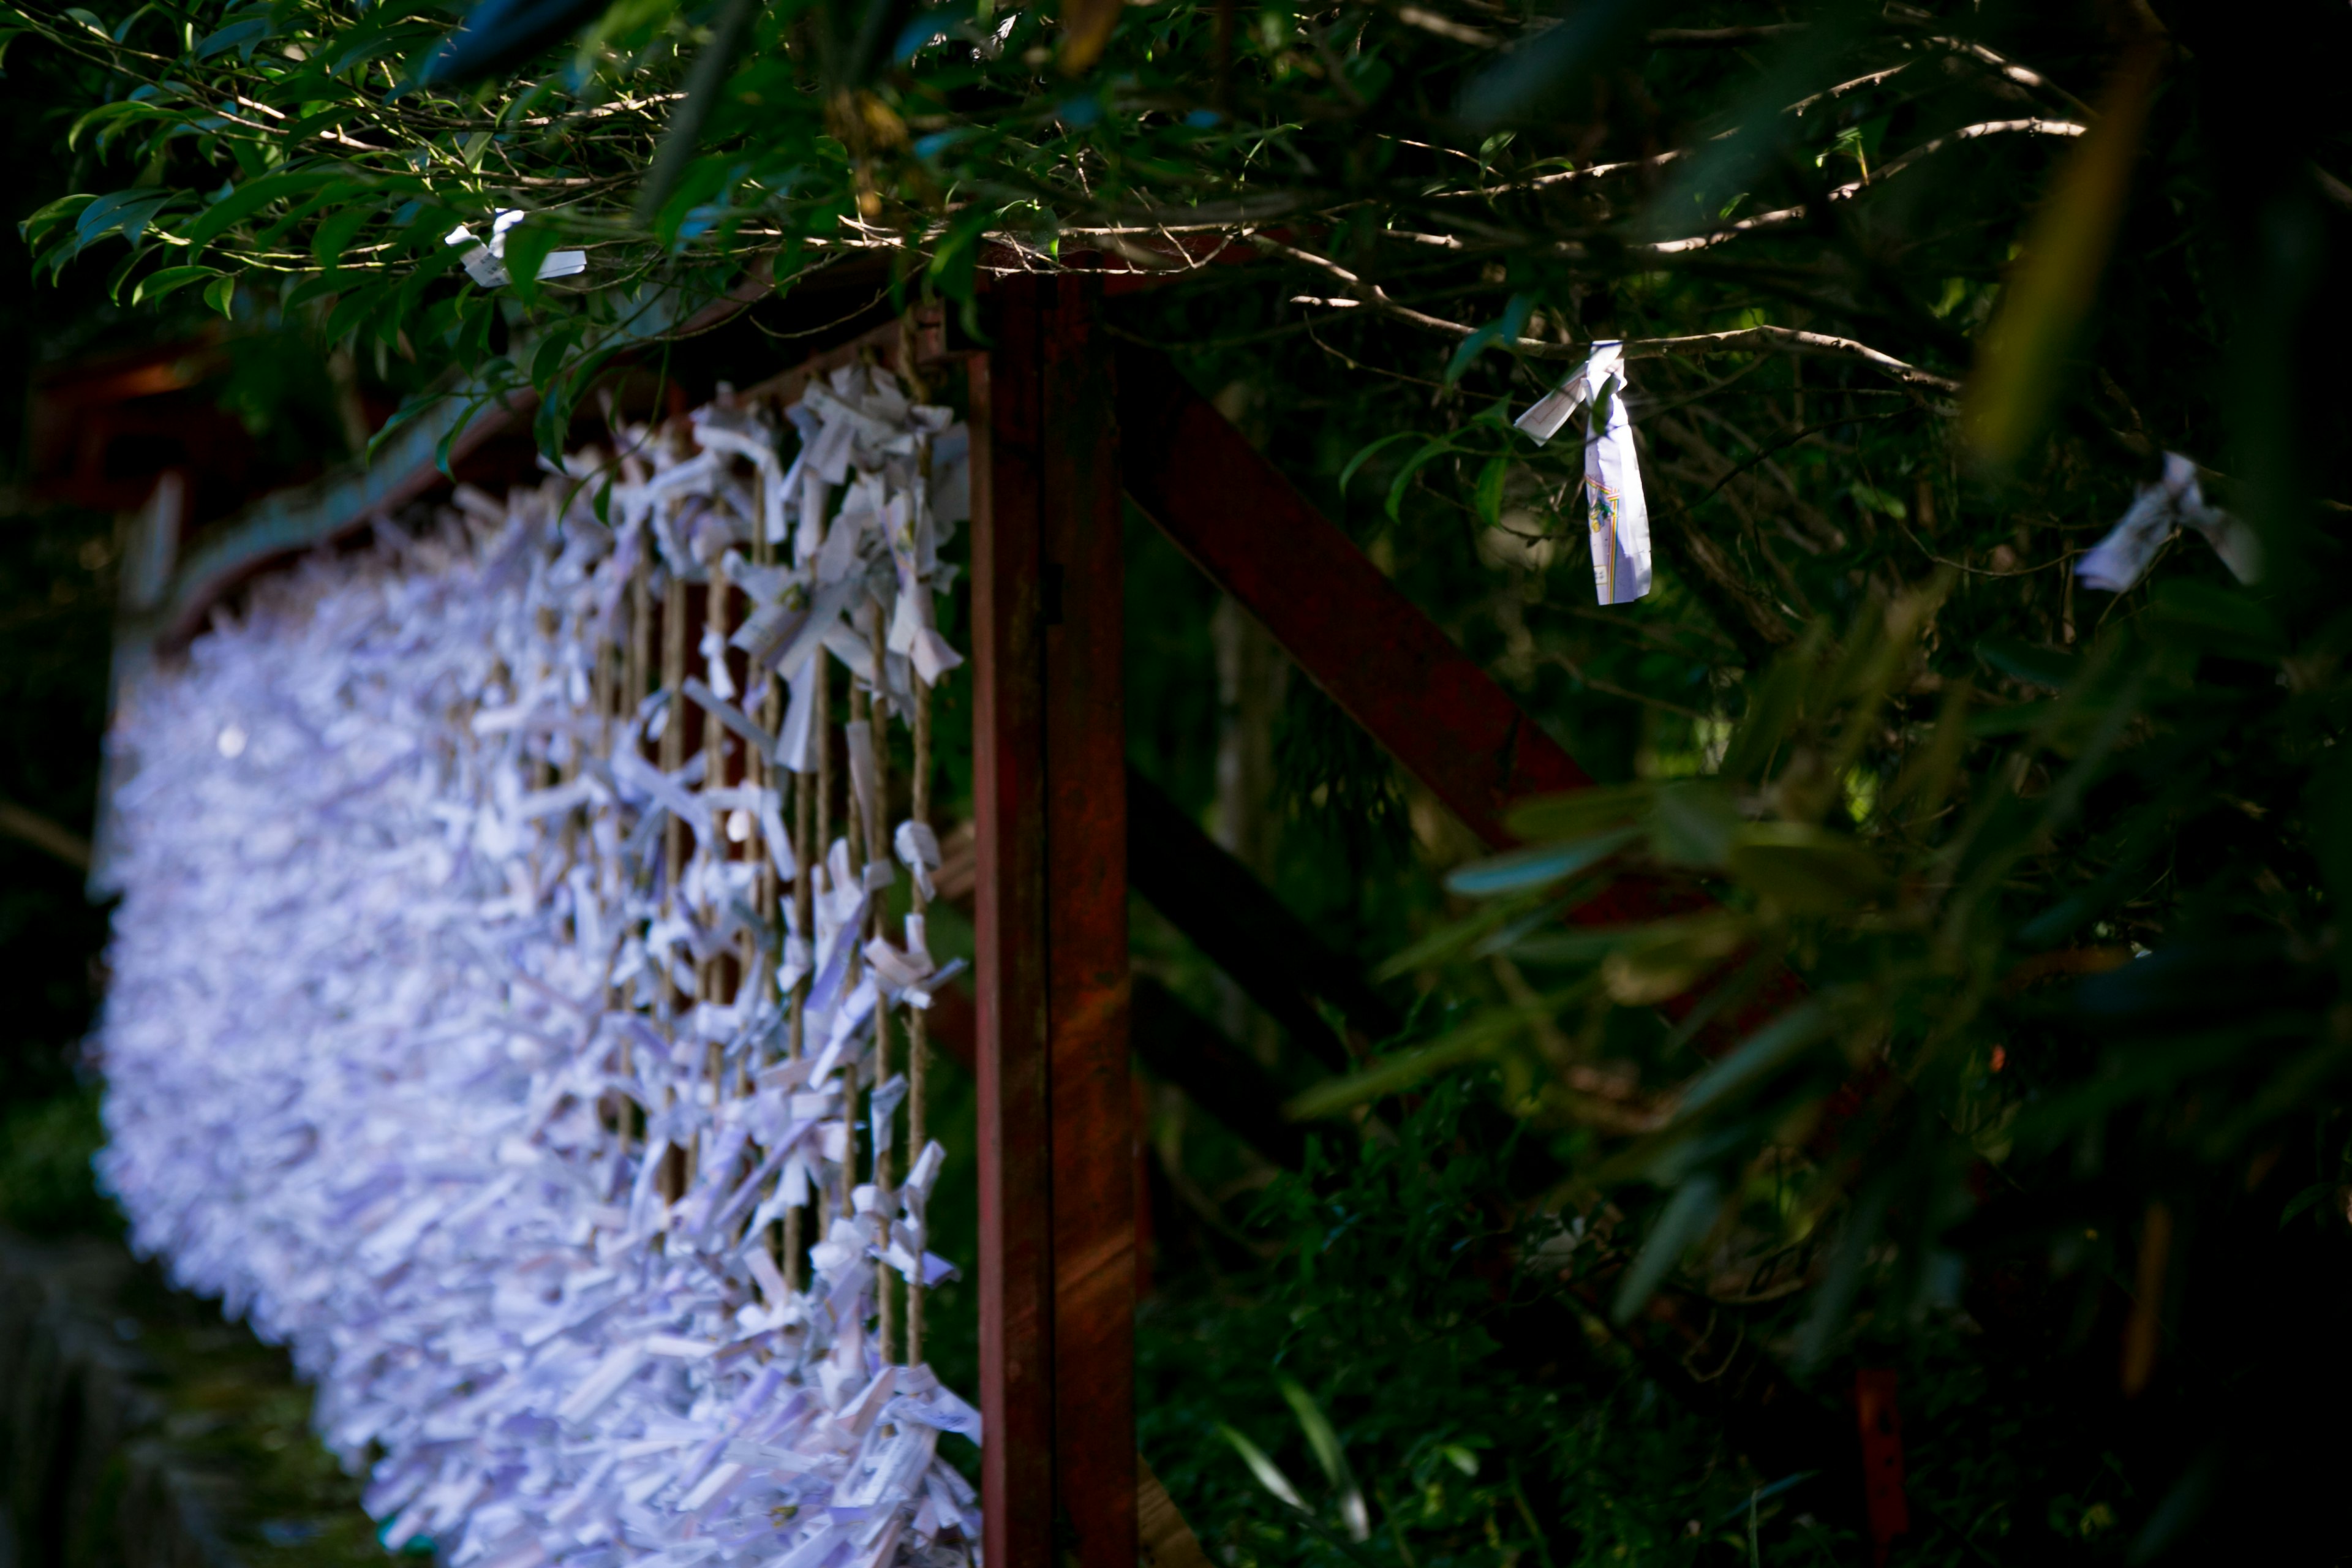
x,y
1618,514
487,264
2174,501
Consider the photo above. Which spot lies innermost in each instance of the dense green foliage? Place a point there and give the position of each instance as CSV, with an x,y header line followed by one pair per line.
x,y
2054,1124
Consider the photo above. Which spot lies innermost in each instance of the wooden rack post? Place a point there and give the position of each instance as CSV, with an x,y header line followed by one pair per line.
x,y
1057,1165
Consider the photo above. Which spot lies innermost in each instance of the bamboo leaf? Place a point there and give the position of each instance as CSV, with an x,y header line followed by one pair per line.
x,y
1806,870
2019,364
1394,1074
1756,1059
1686,1216
1323,1440
1579,813
1523,870
1268,1474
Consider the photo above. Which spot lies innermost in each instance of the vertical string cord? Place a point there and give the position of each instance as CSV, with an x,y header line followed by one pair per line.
x,y
919,1045
672,756
603,695
821,698
714,776
920,811
877,836
781,1232
637,657
673,748
796,1041
853,1098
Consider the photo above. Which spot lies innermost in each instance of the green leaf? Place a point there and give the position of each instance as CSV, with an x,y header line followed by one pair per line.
x,y
1564,948
1755,1058
1530,82
220,294
244,200
954,263
335,234
1504,328
705,79
1268,1475
1536,866
111,120
1489,497
1687,1215
2024,661
1446,941
2020,362
529,244
45,218
1324,1442
547,358
2216,618
1774,705
1694,822
412,408
1806,870
356,306
126,210
2302,1201
1836,1296
158,284
1579,813
1394,1074
1436,447
243,37
1363,456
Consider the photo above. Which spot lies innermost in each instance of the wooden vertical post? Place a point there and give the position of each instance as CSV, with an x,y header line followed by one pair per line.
x,y
1056,1203
1093,1096
1016,1254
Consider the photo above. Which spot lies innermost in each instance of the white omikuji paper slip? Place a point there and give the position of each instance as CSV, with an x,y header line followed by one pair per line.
x,y
2174,501
487,264
1619,516
388,993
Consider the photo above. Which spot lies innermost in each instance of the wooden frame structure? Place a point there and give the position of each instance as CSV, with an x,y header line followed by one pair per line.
x,y
1054,848
1067,430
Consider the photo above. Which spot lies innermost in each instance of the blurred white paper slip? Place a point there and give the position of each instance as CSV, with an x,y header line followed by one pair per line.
x,y
2117,562
1620,515
487,265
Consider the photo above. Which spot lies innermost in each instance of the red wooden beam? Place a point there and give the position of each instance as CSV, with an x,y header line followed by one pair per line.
x,y
1350,628
1385,663
1057,1206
